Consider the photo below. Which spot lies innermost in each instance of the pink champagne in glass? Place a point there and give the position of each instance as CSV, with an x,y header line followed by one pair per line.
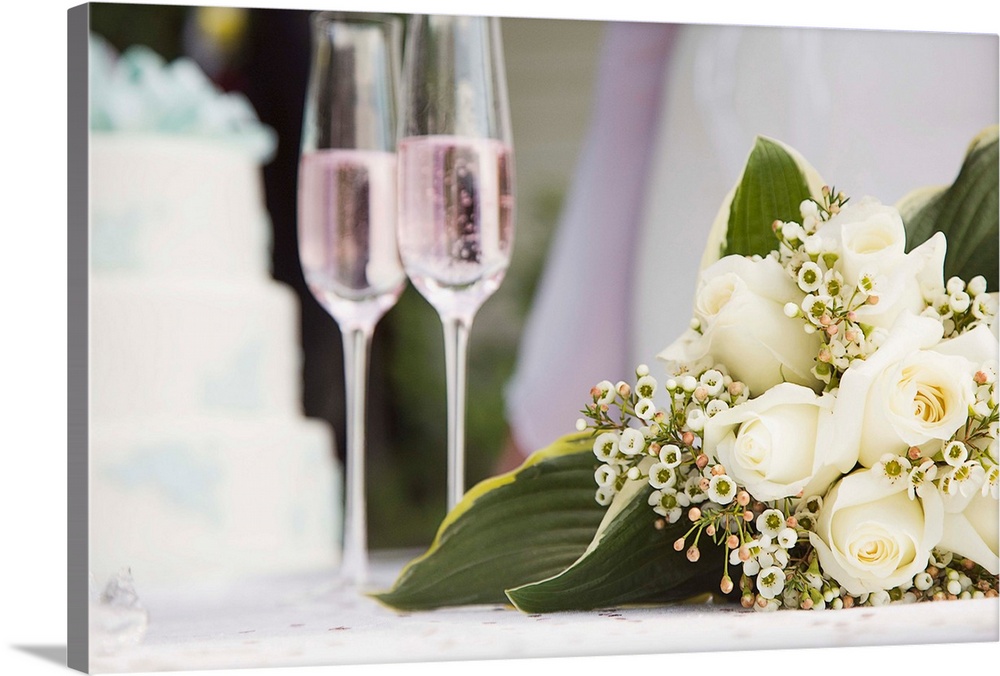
x,y
457,201
347,232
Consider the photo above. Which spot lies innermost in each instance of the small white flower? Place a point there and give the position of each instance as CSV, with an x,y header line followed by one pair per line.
x,y
834,283
633,473
920,477
581,424
604,496
791,310
959,302
965,479
606,475
646,386
670,455
991,484
668,503
981,409
688,383
662,475
715,406
923,581
879,598
787,538
770,581
940,559
641,370
693,490
955,453
809,209
631,442
982,307
792,231
954,285
605,446
722,489
976,285
645,408
607,394
714,381
771,522
867,283
891,468
695,420
814,306
810,277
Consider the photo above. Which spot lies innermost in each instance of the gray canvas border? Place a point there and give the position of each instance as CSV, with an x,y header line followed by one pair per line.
x,y
77,255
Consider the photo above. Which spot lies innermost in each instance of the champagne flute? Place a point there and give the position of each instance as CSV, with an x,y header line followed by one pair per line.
x,y
347,216
456,187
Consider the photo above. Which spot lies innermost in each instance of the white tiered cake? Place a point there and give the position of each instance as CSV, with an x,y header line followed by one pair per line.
x,y
201,463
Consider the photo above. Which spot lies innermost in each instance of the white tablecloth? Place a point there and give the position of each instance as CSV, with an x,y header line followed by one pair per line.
x,y
304,620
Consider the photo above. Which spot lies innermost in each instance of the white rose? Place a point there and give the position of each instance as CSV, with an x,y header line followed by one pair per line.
x,y
913,390
740,306
871,536
870,239
972,529
775,446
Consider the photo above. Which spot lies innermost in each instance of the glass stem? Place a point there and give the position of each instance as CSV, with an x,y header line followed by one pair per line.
x,y
354,566
456,340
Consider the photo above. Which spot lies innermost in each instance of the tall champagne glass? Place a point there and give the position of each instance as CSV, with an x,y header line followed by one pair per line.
x,y
347,215
456,187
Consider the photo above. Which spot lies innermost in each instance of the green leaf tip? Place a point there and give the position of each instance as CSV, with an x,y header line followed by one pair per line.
x,y
966,212
525,525
775,181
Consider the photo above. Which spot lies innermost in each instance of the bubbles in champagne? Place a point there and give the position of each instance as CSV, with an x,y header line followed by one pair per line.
x,y
456,213
347,229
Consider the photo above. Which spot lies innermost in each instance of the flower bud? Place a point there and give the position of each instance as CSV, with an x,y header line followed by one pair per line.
x,y
726,585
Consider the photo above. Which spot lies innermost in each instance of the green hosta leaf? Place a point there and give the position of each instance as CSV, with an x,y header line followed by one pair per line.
x,y
966,212
509,530
628,562
774,183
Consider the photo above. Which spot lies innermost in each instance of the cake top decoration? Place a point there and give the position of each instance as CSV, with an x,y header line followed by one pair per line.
x,y
138,91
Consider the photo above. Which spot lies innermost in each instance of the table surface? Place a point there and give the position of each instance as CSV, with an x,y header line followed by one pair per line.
x,y
306,620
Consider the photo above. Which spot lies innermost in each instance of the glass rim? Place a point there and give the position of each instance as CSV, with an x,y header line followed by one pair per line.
x,y
324,17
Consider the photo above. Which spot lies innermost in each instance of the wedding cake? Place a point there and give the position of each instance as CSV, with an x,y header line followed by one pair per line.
x,y
202,465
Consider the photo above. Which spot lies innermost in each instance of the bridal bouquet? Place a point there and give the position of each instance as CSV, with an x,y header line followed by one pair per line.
x,y
823,436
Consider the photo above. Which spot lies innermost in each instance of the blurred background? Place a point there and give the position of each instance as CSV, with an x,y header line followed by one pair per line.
x,y
264,53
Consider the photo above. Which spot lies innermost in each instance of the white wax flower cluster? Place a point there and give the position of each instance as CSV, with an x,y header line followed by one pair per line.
x,y
137,91
831,419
